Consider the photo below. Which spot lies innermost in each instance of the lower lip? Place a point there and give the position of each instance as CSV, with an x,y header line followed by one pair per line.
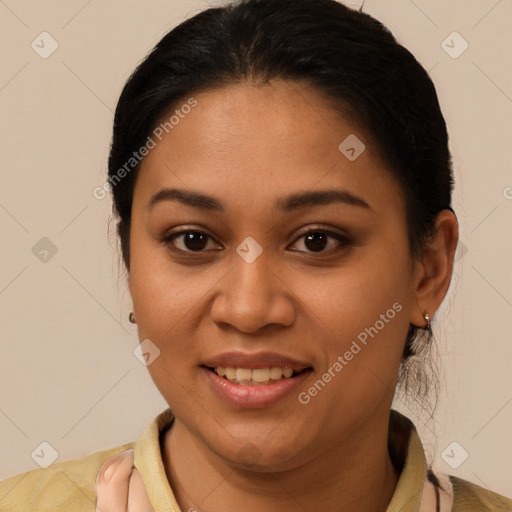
x,y
258,396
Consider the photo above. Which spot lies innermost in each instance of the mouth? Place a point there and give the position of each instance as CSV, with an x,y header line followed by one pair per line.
x,y
248,380
256,376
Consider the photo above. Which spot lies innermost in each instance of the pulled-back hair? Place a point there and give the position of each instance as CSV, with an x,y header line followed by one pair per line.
x,y
347,55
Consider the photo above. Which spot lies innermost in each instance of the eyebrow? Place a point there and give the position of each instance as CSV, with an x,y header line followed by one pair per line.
x,y
288,204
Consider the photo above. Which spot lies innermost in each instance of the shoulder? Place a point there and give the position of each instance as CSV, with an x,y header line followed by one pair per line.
x,y
67,485
468,496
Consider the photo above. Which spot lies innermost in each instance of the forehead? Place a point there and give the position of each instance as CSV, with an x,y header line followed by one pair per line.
x,y
250,143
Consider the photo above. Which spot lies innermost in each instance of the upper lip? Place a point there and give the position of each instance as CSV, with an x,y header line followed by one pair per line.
x,y
256,360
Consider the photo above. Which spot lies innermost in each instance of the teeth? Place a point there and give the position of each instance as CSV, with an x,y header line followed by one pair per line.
x,y
230,373
287,372
260,375
243,374
256,376
276,373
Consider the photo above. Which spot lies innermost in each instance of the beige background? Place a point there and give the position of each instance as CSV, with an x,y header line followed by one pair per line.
x,y
68,375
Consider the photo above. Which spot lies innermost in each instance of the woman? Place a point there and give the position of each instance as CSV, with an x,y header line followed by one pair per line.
x,y
282,178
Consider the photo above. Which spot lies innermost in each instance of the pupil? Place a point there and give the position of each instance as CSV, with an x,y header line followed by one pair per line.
x,y
194,240
313,243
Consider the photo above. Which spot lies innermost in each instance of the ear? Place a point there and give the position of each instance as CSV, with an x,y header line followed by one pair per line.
x,y
434,269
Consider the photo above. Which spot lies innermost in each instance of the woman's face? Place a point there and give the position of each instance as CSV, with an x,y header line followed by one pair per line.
x,y
299,259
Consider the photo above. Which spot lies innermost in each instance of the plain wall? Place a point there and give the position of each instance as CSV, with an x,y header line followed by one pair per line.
x,y
67,372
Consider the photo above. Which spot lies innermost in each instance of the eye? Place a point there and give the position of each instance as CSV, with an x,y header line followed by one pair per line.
x,y
316,240
190,241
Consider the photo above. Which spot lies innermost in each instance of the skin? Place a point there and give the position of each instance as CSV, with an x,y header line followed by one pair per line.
x,y
119,486
250,145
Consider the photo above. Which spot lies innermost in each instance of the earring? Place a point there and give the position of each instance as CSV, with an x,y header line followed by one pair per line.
x,y
131,318
428,327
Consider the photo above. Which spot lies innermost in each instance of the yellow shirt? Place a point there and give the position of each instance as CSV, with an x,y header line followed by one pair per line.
x,y
71,485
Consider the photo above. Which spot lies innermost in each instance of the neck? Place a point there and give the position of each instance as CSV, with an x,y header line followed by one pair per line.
x,y
356,475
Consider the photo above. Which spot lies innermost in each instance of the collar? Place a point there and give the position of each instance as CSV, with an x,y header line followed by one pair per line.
x,y
408,456
148,461
405,448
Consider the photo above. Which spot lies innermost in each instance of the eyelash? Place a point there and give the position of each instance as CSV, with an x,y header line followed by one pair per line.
x,y
343,239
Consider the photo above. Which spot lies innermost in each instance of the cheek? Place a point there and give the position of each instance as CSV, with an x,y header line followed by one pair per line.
x,y
164,300
159,295
362,313
350,299
171,304
166,307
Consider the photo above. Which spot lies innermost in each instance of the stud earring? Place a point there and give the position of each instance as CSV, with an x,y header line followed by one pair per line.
x,y
131,318
428,327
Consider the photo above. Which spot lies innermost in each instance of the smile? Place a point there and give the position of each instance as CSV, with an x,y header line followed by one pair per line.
x,y
247,390
254,377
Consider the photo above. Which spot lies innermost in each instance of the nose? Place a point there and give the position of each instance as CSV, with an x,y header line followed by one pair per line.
x,y
252,296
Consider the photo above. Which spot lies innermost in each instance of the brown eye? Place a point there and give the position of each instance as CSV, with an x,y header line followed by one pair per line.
x,y
190,241
316,241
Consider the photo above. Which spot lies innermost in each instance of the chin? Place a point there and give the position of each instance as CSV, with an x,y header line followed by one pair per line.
x,y
258,455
